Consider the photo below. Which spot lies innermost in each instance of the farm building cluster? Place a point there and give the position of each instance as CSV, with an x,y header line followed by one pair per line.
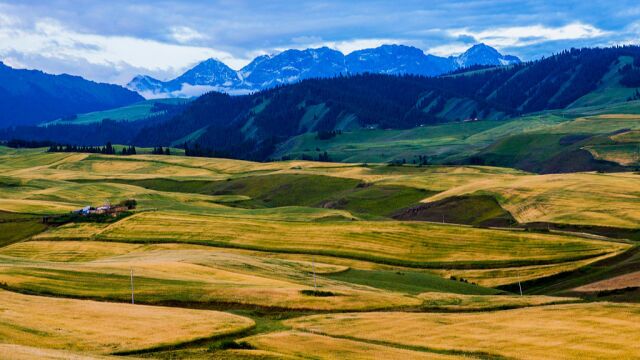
x,y
108,209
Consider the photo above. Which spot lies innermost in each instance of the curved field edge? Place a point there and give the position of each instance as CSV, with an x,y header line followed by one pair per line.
x,y
393,243
101,327
606,330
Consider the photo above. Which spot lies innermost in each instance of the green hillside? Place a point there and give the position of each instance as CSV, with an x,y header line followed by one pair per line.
x,y
137,111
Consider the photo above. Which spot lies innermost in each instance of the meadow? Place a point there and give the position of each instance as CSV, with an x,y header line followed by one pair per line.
x,y
134,112
104,328
299,259
604,331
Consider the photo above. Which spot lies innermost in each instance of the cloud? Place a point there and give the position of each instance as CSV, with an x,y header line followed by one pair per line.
x,y
185,34
48,39
517,36
189,91
108,40
448,49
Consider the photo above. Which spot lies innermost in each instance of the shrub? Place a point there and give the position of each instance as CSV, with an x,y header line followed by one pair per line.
x,y
230,344
318,293
129,203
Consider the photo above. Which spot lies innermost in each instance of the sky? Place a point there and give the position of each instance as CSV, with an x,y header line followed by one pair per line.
x,y
112,41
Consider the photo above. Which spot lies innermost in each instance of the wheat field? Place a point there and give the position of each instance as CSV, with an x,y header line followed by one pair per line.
x,y
104,328
573,331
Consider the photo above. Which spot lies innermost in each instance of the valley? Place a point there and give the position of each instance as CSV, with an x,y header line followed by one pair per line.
x,y
271,260
318,194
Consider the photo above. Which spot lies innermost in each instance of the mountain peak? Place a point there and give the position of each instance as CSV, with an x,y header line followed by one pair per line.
x,y
482,48
483,54
294,65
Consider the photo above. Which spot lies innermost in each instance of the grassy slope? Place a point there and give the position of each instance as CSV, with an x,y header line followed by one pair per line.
x,y
532,143
192,194
15,227
184,275
279,190
105,328
566,283
387,145
137,111
479,210
408,244
408,282
605,330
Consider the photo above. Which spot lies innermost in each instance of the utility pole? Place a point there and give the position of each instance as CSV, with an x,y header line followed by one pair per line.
x,y
519,285
313,266
132,301
638,158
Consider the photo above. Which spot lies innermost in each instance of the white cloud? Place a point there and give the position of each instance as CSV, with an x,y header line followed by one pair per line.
x,y
449,49
349,46
184,34
49,39
529,35
188,91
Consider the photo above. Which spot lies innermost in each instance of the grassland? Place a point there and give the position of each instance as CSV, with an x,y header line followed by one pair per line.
x,y
134,112
563,198
21,352
604,331
16,227
405,244
103,328
186,275
282,250
305,345
593,199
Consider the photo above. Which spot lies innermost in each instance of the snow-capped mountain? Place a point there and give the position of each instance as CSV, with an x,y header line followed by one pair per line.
x,y
294,65
291,66
482,54
397,59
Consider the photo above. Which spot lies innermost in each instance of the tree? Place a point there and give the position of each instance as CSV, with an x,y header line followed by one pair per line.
x,y
129,203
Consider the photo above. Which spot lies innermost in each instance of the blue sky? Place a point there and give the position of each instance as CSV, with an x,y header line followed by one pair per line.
x,y
113,40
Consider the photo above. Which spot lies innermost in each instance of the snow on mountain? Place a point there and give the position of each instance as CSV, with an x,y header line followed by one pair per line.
x,y
482,54
395,60
295,65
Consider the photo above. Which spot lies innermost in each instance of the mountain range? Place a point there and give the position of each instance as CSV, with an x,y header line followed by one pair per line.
x,y
294,65
31,96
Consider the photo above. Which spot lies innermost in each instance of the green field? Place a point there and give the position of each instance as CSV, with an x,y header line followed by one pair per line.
x,y
265,260
562,141
134,112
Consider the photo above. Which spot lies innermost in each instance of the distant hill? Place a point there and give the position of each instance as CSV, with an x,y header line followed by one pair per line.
x,y
294,65
30,97
377,117
250,126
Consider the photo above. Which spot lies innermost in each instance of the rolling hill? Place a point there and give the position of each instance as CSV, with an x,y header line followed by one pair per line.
x,y
234,259
535,116
251,126
56,96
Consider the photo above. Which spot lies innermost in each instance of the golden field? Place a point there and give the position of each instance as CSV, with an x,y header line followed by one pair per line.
x,y
306,345
225,271
189,274
104,328
574,331
580,198
386,242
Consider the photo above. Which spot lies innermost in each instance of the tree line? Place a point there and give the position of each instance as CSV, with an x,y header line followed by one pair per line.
x,y
108,149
